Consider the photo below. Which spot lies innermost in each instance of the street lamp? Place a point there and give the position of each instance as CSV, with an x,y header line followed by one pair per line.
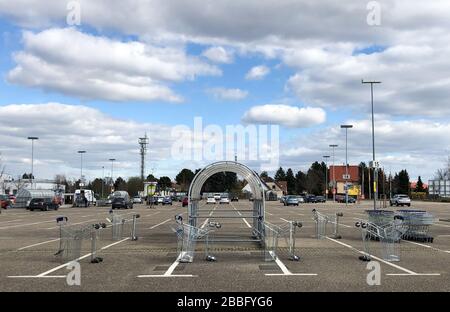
x,y
374,164
81,168
112,160
32,157
346,127
103,178
326,176
333,146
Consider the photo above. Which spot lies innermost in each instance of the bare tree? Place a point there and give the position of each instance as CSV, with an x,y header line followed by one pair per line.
x,y
443,173
2,167
20,183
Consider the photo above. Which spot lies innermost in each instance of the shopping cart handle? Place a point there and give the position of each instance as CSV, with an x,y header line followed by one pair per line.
x,y
358,224
314,210
179,219
398,218
297,223
137,216
61,219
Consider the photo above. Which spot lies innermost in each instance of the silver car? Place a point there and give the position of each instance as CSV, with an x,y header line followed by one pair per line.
x,y
400,200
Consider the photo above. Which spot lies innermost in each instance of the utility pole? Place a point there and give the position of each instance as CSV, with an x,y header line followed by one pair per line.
x,y
333,146
81,169
374,164
32,158
143,142
346,127
112,160
326,176
103,179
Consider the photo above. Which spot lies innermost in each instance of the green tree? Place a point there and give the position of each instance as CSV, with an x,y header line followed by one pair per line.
x,y
165,183
300,182
135,185
280,175
151,178
96,186
184,178
221,182
290,179
120,184
419,185
401,182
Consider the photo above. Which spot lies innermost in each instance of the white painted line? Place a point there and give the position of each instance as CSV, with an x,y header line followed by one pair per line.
x,y
184,275
37,276
374,257
427,246
38,244
57,227
283,219
292,274
17,220
444,225
151,228
152,214
247,223
284,269
270,214
19,225
415,274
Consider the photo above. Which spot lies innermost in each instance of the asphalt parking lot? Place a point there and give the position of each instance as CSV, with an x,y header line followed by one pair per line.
x,y
30,239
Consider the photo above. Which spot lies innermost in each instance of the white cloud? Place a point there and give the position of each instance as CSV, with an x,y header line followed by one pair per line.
x,y
86,66
218,55
285,115
257,72
228,94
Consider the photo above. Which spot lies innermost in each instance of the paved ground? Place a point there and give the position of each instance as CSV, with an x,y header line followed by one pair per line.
x,y
28,241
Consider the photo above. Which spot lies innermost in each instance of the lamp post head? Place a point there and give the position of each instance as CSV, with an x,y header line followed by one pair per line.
x,y
33,138
346,126
81,152
334,145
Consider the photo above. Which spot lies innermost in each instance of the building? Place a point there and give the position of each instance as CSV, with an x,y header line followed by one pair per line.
x,y
12,186
354,186
273,190
439,188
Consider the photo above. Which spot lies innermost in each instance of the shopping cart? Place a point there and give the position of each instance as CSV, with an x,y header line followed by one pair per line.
x,y
72,238
272,234
418,224
389,235
380,217
321,224
123,226
187,237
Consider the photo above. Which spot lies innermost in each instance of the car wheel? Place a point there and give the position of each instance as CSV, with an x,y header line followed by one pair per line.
x,y
409,205
31,209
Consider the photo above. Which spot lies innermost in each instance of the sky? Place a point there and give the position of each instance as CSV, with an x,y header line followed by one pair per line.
x,y
97,75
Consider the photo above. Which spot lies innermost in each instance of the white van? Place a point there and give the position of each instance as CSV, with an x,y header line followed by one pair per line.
x,y
80,196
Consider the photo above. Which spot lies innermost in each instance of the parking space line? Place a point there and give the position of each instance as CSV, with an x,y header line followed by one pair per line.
x,y
27,224
409,272
17,220
245,221
427,246
284,269
169,271
77,223
152,227
38,244
45,274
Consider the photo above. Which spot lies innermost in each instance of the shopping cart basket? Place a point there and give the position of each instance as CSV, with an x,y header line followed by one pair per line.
x,y
272,234
418,224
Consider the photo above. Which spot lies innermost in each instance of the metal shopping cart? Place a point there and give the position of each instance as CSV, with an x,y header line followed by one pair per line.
x,y
123,226
418,224
73,239
272,234
389,235
321,224
187,238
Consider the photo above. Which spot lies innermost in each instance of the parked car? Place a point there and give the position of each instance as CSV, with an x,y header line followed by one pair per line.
x,y
153,200
235,198
224,200
137,200
217,196
121,199
282,199
159,200
185,202
320,199
43,204
5,202
167,201
291,201
400,200
310,199
210,200
301,199
12,198
341,199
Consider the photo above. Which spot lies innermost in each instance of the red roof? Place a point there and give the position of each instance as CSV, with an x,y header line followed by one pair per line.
x,y
339,172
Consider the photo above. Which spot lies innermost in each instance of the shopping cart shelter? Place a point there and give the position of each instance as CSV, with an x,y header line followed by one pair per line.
x,y
297,249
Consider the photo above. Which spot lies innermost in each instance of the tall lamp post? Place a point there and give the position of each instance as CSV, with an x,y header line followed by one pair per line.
x,y
112,160
81,168
32,158
103,179
333,146
374,163
346,127
326,157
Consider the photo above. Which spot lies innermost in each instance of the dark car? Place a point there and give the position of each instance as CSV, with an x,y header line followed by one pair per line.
x,y
341,199
310,199
185,202
5,202
43,204
120,200
320,199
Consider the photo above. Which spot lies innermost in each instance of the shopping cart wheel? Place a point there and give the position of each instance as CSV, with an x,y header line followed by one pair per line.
x,y
337,237
364,258
211,258
295,258
97,260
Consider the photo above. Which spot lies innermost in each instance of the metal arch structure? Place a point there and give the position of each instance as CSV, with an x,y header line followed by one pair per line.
x,y
194,195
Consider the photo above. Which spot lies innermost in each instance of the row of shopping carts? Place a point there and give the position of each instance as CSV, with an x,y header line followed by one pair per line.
x,y
275,239
75,239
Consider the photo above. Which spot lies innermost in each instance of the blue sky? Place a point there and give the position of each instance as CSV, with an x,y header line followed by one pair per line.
x,y
132,70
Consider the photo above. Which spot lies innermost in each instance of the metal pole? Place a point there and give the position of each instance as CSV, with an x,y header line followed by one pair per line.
x,y
81,168
346,127
334,177
32,158
103,178
326,176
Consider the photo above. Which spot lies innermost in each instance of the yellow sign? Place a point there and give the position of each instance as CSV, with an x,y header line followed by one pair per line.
x,y
354,190
375,187
151,188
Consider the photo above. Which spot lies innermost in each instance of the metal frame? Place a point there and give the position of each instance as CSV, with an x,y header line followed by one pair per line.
x,y
248,174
